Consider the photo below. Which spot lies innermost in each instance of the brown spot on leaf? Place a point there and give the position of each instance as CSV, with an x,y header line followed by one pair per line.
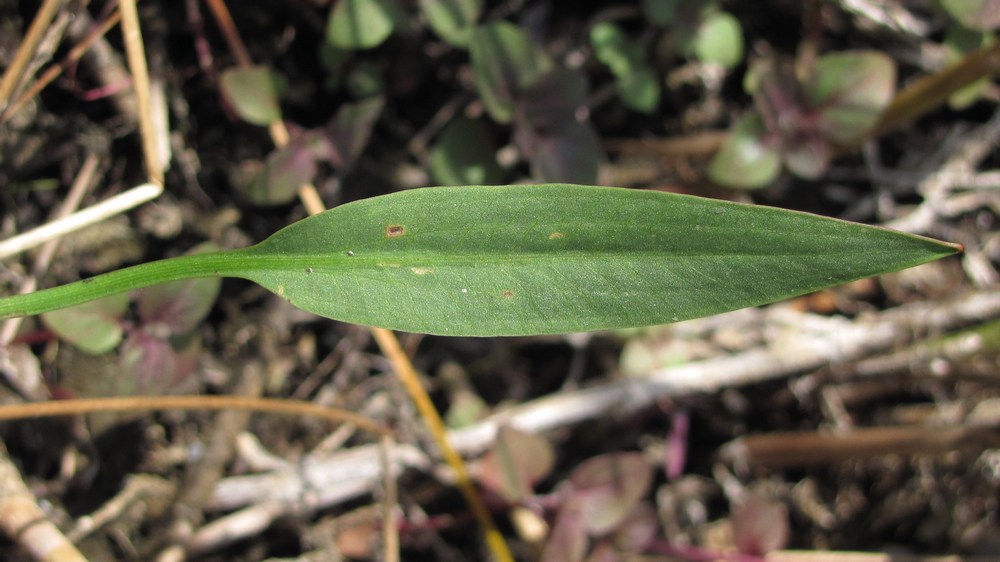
x,y
394,231
507,294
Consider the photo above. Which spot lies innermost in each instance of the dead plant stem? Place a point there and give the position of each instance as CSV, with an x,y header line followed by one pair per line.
x,y
56,70
135,52
12,77
196,402
389,344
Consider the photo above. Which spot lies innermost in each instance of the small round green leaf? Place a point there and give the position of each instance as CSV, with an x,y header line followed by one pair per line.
x,y
719,39
850,90
640,89
93,327
253,93
452,20
746,160
464,155
361,24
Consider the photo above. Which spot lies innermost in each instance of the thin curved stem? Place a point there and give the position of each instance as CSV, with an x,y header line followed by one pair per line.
x,y
196,402
130,278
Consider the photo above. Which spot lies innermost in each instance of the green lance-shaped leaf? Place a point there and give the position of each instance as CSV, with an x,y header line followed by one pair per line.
x,y
489,261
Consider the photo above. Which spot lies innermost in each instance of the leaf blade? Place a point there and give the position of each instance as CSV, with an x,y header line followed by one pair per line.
x,y
486,261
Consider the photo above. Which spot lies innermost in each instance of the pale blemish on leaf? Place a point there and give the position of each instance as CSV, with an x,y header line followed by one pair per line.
x,y
394,231
421,270
280,290
556,236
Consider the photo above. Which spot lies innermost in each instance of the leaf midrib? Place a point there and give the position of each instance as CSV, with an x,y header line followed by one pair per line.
x,y
389,259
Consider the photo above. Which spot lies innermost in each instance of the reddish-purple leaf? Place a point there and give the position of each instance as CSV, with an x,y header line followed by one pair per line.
x,y
675,452
551,103
807,154
571,154
180,306
517,461
277,182
352,128
608,487
775,93
604,552
568,539
149,362
760,524
638,529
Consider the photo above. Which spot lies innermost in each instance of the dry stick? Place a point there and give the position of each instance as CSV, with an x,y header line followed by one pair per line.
x,y
229,33
132,36
229,422
933,90
818,556
793,350
196,402
387,340
108,66
12,76
137,488
390,531
22,519
199,477
806,448
345,475
93,214
55,71
389,344
694,144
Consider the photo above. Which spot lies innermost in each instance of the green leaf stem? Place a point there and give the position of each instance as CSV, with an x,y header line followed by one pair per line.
x,y
509,260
